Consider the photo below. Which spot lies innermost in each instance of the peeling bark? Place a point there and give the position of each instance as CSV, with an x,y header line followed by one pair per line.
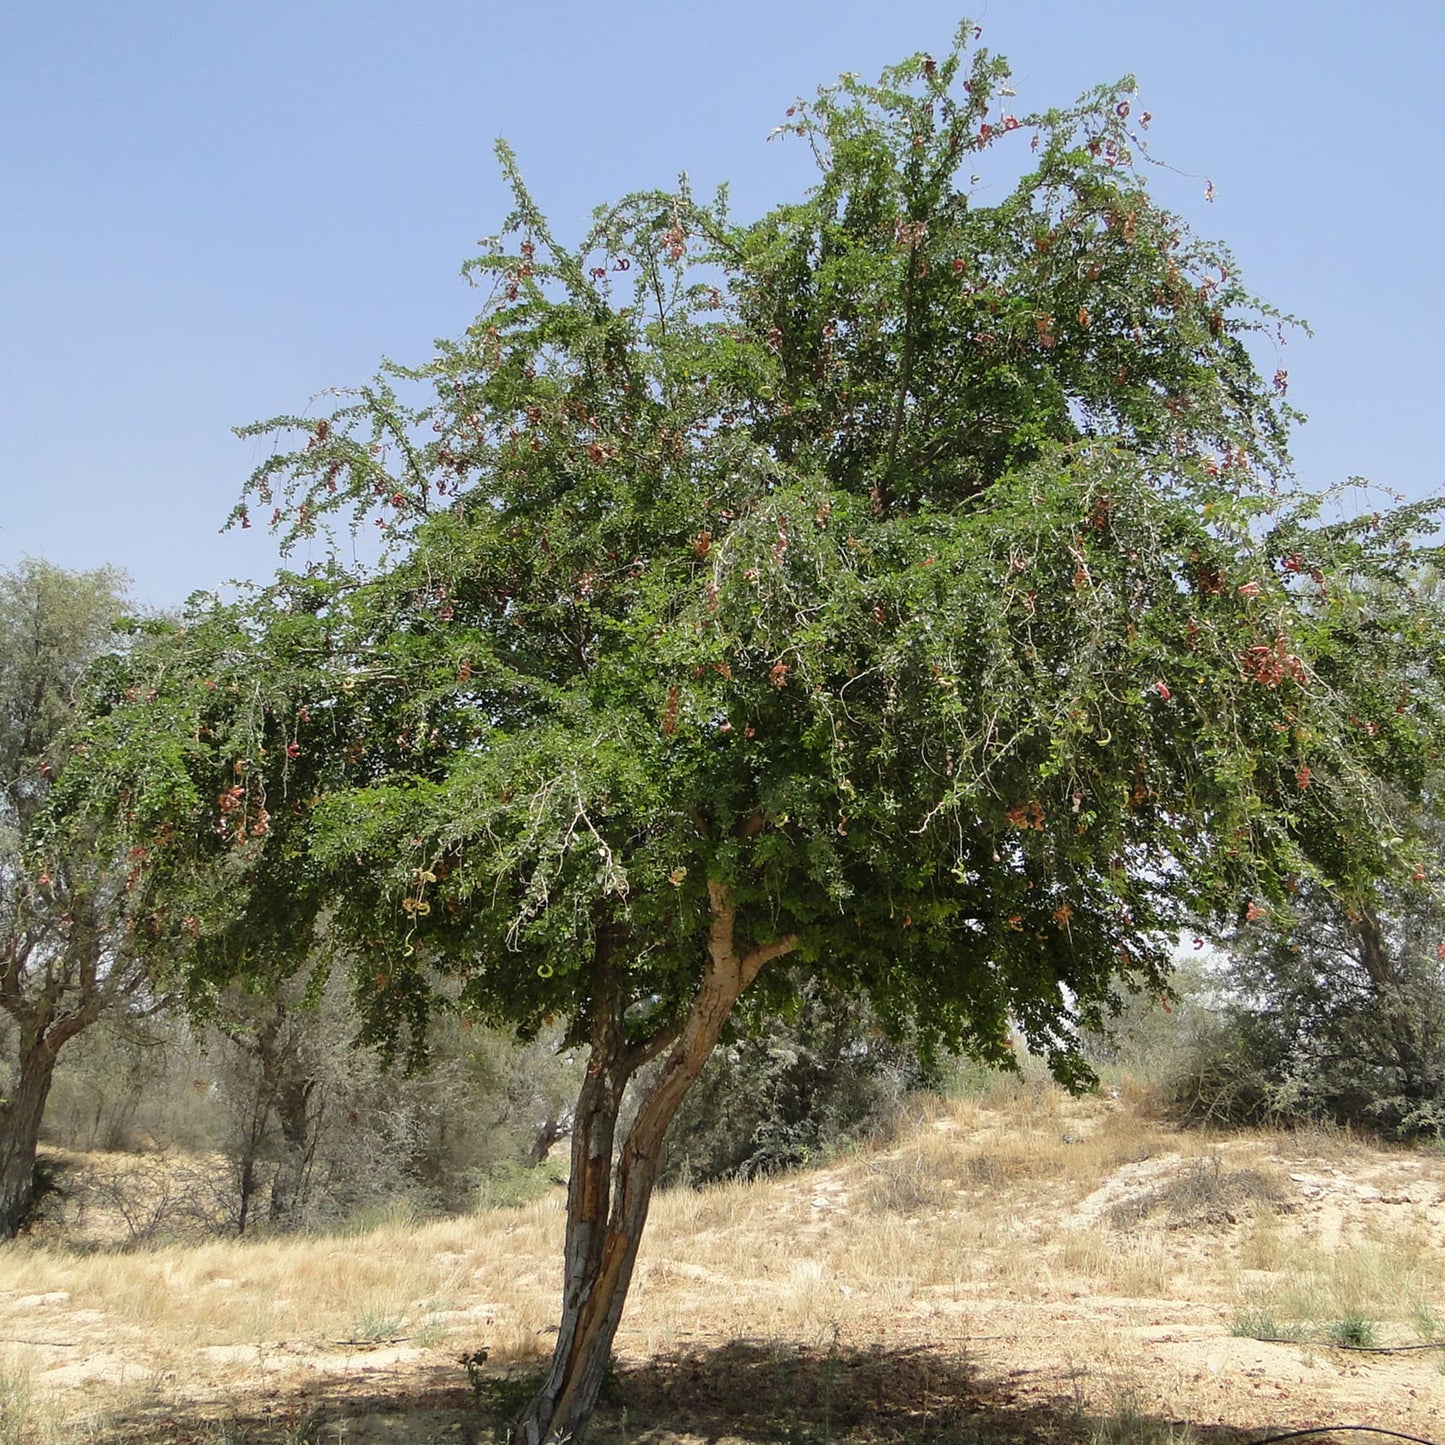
x,y
607,1204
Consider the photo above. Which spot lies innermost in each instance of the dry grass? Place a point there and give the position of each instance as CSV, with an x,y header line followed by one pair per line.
x,y
1385,1286
1059,1227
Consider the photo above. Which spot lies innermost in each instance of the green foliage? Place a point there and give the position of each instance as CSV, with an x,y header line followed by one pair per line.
x,y
510,1184
1335,1015
792,1090
1426,1322
922,575
1353,1331
1154,1038
1254,1322
372,1328
53,625
65,954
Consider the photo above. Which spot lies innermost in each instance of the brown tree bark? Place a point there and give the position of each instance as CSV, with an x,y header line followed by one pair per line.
x,y
20,1117
22,1114
607,1201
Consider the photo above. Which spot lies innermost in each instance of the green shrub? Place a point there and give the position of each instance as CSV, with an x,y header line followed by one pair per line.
x,y
1333,1017
510,1185
1352,1330
792,1090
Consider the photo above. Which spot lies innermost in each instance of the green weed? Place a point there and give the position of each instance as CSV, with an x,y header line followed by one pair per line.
x,y
1352,1330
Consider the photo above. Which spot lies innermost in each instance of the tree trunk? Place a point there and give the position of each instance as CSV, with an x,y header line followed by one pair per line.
x,y
250,1153
547,1135
1399,1028
20,1118
606,1215
293,1109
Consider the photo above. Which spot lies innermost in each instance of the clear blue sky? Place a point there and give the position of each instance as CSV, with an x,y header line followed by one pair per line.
x,y
211,211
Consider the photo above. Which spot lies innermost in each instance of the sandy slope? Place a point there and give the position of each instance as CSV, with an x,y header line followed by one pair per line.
x,y
1025,1268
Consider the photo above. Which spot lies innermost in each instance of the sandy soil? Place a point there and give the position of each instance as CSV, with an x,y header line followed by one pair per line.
x,y
1033,1269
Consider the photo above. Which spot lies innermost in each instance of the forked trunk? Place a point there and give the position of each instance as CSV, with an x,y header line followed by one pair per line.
x,y
607,1206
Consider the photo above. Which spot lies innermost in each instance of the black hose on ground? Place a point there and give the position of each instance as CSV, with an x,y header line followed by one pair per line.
x,y
1341,1429
1357,1349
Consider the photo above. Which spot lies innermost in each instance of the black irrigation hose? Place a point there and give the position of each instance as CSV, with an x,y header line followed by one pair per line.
x,y
1358,1349
1390,1349
1332,1429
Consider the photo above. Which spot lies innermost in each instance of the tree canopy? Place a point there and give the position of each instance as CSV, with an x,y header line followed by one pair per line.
x,y
66,958
906,584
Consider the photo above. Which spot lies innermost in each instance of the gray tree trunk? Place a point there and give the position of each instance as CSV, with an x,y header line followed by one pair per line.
x,y
298,1140
20,1119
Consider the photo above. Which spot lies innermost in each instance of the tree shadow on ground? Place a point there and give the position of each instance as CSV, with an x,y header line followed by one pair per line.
x,y
786,1394
752,1393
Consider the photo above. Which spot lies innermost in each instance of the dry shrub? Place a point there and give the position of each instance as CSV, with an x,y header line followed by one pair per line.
x,y
139,1199
1006,1163
905,1184
28,1416
1205,1192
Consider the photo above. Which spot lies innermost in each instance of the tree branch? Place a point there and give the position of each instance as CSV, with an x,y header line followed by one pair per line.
x,y
647,1051
752,964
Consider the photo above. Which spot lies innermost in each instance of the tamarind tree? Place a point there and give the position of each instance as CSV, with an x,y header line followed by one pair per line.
x,y
907,585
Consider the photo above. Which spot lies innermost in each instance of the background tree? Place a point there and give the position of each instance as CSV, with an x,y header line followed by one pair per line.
x,y
214,1108
902,585
64,961
1337,1015
278,1073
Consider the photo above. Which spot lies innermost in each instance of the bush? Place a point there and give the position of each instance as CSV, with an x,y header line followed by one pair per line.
x,y
793,1090
268,1114
1153,1039
1337,1018
511,1184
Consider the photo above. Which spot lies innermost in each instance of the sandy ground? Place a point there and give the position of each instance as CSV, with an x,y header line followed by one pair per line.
x,y
1032,1269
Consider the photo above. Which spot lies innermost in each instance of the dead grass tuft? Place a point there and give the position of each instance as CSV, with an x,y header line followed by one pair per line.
x,y
1203,1193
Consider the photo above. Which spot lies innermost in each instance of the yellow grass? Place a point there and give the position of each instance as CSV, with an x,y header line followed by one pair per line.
x,y
1022,1227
